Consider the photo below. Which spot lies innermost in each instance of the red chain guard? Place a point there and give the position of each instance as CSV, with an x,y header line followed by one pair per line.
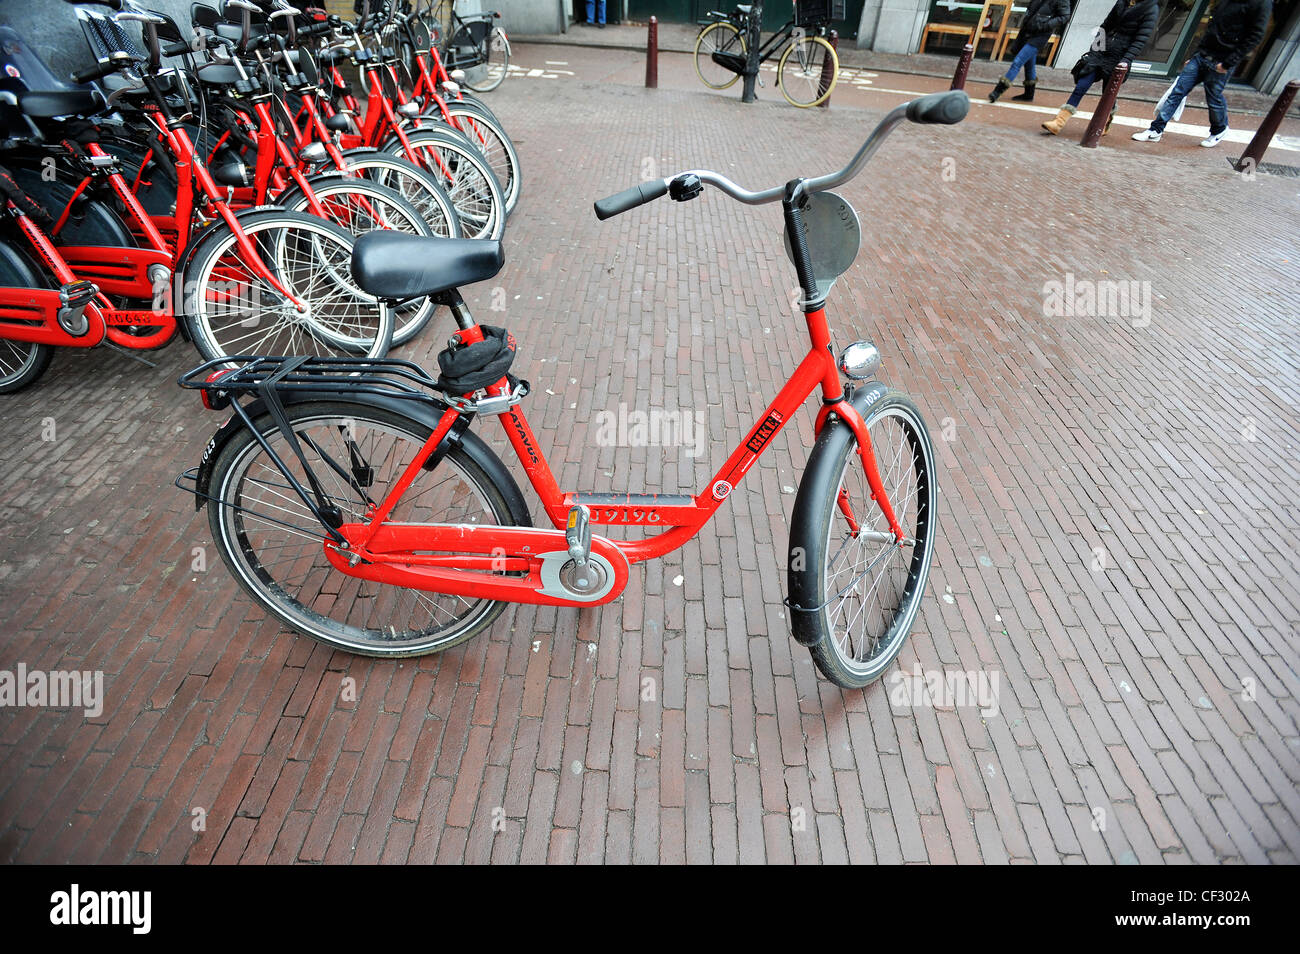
x,y
20,307
117,271
459,559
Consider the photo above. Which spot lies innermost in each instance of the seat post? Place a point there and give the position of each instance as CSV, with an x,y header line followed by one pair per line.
x,y
451,298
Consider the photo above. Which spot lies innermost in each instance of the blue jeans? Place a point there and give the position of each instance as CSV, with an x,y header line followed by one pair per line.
x,y
1028,58
1199,69
1081,88
592,7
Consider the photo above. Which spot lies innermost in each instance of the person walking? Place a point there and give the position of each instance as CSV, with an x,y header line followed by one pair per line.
x,y
1123,35
1235,29
1042,19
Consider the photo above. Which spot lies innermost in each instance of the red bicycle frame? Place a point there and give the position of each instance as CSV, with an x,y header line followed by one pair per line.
x,y
399,554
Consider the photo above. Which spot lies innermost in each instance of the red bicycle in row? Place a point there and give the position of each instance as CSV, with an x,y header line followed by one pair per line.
x,y
351,499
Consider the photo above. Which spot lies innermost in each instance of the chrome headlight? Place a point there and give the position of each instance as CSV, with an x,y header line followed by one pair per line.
x,y
860,360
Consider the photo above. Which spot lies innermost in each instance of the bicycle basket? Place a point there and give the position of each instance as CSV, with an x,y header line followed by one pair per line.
x,y
818,12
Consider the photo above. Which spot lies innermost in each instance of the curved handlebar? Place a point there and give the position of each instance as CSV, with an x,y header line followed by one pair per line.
x,y
947,108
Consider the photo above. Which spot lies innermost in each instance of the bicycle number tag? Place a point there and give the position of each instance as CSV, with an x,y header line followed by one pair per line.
x,y
834,237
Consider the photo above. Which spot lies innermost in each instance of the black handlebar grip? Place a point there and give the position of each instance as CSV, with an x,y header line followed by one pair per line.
x,y
945,109
630,198
179,48
96,72
315,29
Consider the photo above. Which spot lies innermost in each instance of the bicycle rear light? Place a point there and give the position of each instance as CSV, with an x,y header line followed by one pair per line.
x,y
213,398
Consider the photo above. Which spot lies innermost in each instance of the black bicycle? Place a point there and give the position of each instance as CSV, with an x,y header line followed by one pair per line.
x,y
475,43
808,67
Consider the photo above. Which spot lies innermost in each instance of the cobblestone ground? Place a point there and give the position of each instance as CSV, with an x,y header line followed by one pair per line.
x,y
1118,548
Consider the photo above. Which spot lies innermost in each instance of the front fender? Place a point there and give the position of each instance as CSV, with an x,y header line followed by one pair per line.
x,y
818,482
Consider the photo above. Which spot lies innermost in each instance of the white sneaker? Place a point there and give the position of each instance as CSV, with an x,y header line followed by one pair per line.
x,y
1148,135
1214,140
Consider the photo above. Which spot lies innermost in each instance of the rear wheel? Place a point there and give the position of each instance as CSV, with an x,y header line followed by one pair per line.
x,y
859,589
801,68
721,37
21,362
275,547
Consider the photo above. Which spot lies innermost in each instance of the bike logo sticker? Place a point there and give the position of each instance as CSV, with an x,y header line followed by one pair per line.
x,y
721,489
764,433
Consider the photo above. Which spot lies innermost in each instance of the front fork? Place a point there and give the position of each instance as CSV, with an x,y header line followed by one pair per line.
x,y
847,413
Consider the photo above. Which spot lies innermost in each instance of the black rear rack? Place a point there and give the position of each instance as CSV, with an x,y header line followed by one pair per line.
x,y
387,377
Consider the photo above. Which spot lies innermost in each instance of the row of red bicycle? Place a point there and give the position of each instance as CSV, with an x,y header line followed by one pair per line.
x,y
211,180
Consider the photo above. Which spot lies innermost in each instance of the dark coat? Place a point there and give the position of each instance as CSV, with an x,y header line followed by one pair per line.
x,y
1125,33
1235,29
1042,19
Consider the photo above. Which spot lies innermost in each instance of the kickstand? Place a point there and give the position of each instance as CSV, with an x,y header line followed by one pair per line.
x,y
130,354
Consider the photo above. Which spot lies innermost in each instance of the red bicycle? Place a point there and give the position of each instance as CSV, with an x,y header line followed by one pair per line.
x,y
358,507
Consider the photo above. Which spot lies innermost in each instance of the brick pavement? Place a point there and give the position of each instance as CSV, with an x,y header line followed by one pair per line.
x,y
1118,543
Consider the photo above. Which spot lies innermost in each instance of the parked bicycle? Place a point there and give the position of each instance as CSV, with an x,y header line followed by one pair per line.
x,y
351,499
475,43
808,67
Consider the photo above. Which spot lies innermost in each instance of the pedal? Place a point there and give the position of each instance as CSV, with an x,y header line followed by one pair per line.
x,y
577,534
73,299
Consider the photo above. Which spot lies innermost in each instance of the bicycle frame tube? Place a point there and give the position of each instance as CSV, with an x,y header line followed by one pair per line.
x,y
767,50
681,516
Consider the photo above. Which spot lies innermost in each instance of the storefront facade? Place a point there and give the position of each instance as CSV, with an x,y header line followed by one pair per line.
x,y
900,26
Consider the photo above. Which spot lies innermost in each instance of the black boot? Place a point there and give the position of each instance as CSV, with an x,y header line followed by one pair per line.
x,y
1004,84
1028,95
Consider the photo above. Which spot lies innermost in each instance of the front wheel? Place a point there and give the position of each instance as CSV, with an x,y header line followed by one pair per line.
x,y
361,206
464,173
803,64
235,299
854,589
21,362
274,545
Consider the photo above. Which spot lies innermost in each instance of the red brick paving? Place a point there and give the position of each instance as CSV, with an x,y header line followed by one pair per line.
x,y
1122,735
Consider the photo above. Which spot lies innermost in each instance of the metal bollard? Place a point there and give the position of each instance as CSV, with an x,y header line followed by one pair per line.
x,y
1268,128
828,76
1105,108
652,55
963,67
748,92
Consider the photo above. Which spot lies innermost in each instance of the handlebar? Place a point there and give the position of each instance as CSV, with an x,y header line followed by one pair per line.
x,y
116,62
630,198
946,108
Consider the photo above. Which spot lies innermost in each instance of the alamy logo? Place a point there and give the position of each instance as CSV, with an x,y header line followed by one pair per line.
x,y
1098,299
58,689
945,690
656,428
77,907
